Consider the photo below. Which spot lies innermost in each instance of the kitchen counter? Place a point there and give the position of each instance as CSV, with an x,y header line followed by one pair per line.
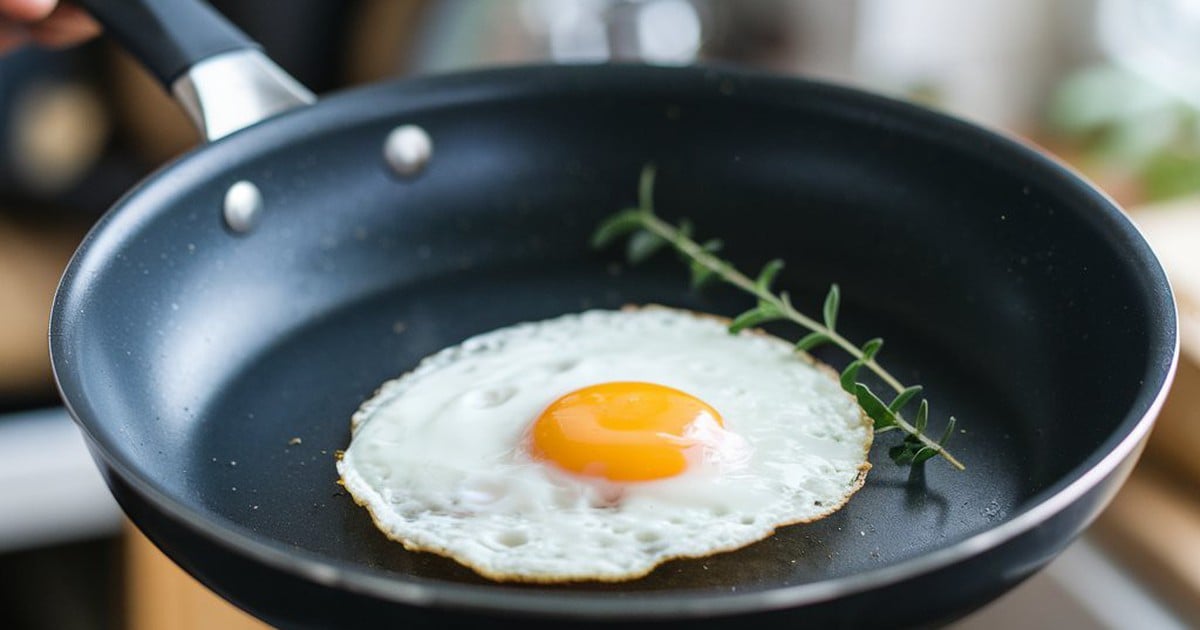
x,y
50,491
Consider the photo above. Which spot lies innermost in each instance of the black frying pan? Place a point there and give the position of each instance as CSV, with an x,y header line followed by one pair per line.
x,y
193,338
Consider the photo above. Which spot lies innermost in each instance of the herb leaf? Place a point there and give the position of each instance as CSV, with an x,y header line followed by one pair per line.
x,y
756,316
646,188
616,226
874,407
812,340
832,302
767,275
702,275
922,419
850,375
643,245
903,397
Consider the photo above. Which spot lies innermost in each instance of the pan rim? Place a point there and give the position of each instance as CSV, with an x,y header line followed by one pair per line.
x,y
1125,439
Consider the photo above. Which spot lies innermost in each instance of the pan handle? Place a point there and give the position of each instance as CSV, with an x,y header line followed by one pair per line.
x,y
217,73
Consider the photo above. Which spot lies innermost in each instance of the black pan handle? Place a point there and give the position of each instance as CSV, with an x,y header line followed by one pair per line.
x,y
168,36
216,72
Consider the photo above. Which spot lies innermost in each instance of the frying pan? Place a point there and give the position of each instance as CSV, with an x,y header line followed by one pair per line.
x,y
258,289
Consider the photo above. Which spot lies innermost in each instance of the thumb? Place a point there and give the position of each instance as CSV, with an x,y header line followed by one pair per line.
x,y
26,10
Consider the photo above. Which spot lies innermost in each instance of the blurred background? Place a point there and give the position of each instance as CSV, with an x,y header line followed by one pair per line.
x,y
1110,86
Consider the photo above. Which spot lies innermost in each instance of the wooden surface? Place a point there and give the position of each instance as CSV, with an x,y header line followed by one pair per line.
x,y
1173,230
1153,526
32,259
161,596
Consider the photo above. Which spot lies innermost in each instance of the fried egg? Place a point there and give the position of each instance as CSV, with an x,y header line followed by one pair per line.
x,y
596,446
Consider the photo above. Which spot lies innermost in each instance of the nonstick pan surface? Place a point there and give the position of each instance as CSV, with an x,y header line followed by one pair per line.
x,y
192,356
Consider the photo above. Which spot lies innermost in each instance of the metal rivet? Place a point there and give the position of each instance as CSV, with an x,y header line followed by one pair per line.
x,y
407,150
243,206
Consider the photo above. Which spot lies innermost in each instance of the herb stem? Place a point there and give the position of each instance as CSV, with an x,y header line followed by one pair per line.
x,y
693,250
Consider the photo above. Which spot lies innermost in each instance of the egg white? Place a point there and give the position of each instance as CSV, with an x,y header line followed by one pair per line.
x,y
439,456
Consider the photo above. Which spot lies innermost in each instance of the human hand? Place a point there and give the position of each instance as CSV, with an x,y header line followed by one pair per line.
x,y
46,22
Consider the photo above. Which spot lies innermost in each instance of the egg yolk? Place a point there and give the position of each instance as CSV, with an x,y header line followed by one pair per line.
x,y
622,431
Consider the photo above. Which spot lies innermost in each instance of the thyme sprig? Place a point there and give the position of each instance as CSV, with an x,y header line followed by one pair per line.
x,y
649,234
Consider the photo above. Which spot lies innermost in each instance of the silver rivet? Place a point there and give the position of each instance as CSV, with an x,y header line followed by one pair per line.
x,y
243,206
407,150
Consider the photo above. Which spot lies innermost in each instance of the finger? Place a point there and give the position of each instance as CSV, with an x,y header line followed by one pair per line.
x,y
66,26
26,10
12,36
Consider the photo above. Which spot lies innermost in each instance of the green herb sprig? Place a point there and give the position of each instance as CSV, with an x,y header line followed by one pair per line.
x,y
648,234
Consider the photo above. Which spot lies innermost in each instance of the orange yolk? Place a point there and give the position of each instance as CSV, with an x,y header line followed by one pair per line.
x,y
621,431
